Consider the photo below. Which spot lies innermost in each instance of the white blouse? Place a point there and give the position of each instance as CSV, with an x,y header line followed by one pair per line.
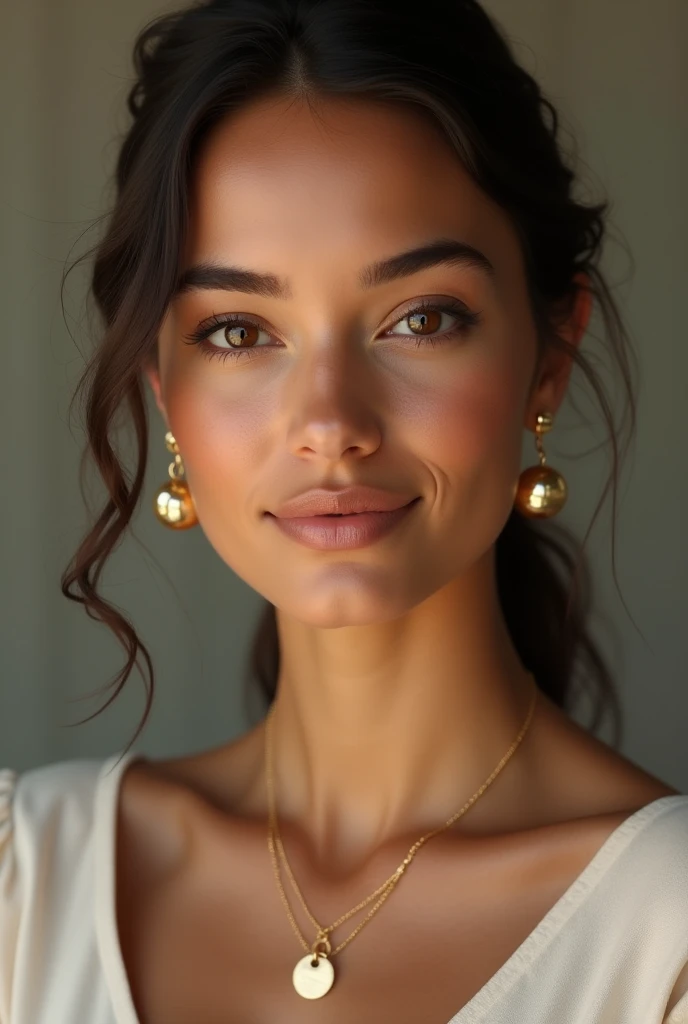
x,y
612,950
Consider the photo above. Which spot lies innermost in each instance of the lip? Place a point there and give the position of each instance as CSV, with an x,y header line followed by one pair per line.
x,y
341,501
345,532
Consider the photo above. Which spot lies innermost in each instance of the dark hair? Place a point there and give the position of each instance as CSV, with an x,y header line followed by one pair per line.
x,y
450,61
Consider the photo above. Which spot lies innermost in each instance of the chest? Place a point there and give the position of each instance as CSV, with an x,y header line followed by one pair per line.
x,y
218,948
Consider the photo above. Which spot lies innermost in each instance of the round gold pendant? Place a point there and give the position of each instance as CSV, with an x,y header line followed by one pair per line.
x,y
313,982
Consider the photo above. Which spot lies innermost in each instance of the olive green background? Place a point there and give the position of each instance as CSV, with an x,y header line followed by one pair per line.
x,y
617,73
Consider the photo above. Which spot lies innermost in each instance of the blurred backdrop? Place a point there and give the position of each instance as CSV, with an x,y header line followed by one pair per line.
x,y
617,73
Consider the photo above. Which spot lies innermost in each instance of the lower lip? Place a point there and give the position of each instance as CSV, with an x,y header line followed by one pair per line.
x,y
327,533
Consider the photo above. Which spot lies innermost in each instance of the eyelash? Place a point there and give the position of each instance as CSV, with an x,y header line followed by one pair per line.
x,y
465,316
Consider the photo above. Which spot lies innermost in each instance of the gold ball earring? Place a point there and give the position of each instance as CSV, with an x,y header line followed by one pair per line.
x,y
173,504
541,491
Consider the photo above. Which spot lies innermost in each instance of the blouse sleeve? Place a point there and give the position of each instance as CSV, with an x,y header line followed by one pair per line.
x,y
9,891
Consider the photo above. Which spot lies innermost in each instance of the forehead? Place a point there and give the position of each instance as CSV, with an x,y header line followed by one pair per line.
x,y
316,182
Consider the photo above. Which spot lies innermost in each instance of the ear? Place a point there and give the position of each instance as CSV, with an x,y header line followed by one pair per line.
x,y
152,371
555,366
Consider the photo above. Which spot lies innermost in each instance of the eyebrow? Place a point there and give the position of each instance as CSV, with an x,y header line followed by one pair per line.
x,y
440,252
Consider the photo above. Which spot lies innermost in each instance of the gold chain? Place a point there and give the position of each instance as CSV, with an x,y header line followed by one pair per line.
x,y
387,887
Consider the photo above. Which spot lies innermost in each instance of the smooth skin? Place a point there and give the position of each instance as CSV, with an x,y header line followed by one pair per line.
x,y
400,689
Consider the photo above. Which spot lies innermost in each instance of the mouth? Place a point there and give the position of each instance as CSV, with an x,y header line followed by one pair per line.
x,y
347,515
354,530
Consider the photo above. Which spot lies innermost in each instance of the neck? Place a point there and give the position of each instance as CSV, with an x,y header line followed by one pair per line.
x,y
386,730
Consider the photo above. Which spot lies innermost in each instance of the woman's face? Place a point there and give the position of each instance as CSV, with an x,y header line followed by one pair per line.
x,y
339,382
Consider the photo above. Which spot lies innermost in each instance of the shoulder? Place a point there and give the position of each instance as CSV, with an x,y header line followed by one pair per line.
x,y
657,840
46,816
652,900
664,841
31,797
641,884
580,776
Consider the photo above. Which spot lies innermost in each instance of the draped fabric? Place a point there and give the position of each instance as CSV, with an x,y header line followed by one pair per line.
x,y
612,950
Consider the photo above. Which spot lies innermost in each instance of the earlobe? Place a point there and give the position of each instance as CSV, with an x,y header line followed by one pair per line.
x,y
153,374
574,330
554,380
557,365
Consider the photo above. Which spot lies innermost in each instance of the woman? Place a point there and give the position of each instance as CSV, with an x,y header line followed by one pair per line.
x,y
346,258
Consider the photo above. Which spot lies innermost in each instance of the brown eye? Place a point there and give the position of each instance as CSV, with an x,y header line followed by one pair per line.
x,y
243,335
425,322
434,321
229,337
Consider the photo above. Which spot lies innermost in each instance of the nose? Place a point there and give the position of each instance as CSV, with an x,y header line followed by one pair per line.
x,y
336,406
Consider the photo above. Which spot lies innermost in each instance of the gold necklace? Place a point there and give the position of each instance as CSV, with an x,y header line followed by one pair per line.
x,y
313,975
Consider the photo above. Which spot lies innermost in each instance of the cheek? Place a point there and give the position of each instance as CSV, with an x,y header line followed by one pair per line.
x,y
467,433
220,438
468,425
225,448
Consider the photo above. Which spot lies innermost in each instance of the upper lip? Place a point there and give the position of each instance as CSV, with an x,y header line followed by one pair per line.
x,y
328,501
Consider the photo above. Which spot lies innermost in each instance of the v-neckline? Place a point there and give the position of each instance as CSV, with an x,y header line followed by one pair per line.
x,y
106,796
